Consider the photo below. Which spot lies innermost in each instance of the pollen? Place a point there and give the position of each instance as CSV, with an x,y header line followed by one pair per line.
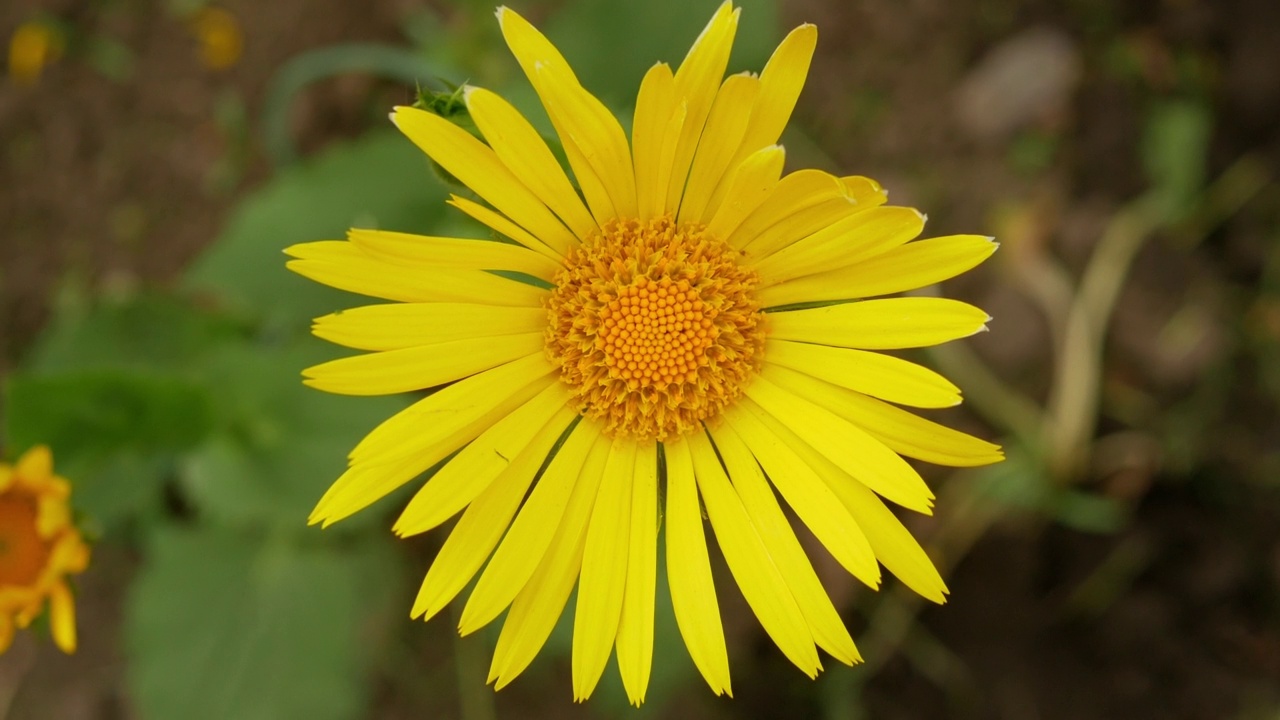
x,y
655,327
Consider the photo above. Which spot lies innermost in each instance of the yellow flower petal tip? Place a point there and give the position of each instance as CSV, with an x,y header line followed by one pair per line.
x,y
40,547
706,333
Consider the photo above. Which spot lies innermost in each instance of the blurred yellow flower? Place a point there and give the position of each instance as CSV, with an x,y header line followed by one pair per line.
x,y
218,33
39,548
32,46
691,337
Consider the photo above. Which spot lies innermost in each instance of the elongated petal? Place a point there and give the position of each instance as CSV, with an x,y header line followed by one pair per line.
x,y
881,324
524,152
536,56
35,464
762,585
780,84
531,534
696,82
721,138
901,431
693,590
748,185
842,243
538,606
62,617
796,192
345,266
489,455
404,325
594,131
884,376
893,543
635,628
485,519
421,367
604,570
847,445
655,106
914,265
500,224
478,167
445,252
784,547
805,492
406,445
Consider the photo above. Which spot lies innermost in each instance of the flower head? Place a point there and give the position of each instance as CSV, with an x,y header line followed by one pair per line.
x,y
695,331
39,548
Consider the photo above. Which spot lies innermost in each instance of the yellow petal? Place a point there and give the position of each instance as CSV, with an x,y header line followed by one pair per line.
x,y
780,540
762,585
345,266
748,184
411,441
881,324
655,106
806,493
62,617
446,252
594,131
479,463
538,606
524,152
845,444
420,367
893,544
35,465
533,51
846,242
486,518
635,627
696,82
721,137
884,376
6,632
604,570
799,191
693,591
499,223
914,265
780,84
532,532
478,167
901,431
403,325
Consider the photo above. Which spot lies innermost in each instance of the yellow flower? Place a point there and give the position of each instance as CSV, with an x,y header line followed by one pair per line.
x,y
220,38
655,355
39,547
32,46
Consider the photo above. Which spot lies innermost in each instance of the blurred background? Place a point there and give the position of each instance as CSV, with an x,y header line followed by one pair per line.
x,y
1123,563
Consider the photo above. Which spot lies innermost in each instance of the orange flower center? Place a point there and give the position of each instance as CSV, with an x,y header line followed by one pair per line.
x,y
654,327
23,553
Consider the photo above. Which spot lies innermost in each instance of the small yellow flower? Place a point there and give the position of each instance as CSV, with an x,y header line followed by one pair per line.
x,y
218,33
32,46
39,548
700,335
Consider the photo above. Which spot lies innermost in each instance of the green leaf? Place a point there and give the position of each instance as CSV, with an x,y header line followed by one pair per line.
x,y
222,626
279,443
100,411
143,332
381,180
1175,150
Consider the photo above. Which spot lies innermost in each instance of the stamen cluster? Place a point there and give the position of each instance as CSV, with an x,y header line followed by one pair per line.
x,y
654,327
